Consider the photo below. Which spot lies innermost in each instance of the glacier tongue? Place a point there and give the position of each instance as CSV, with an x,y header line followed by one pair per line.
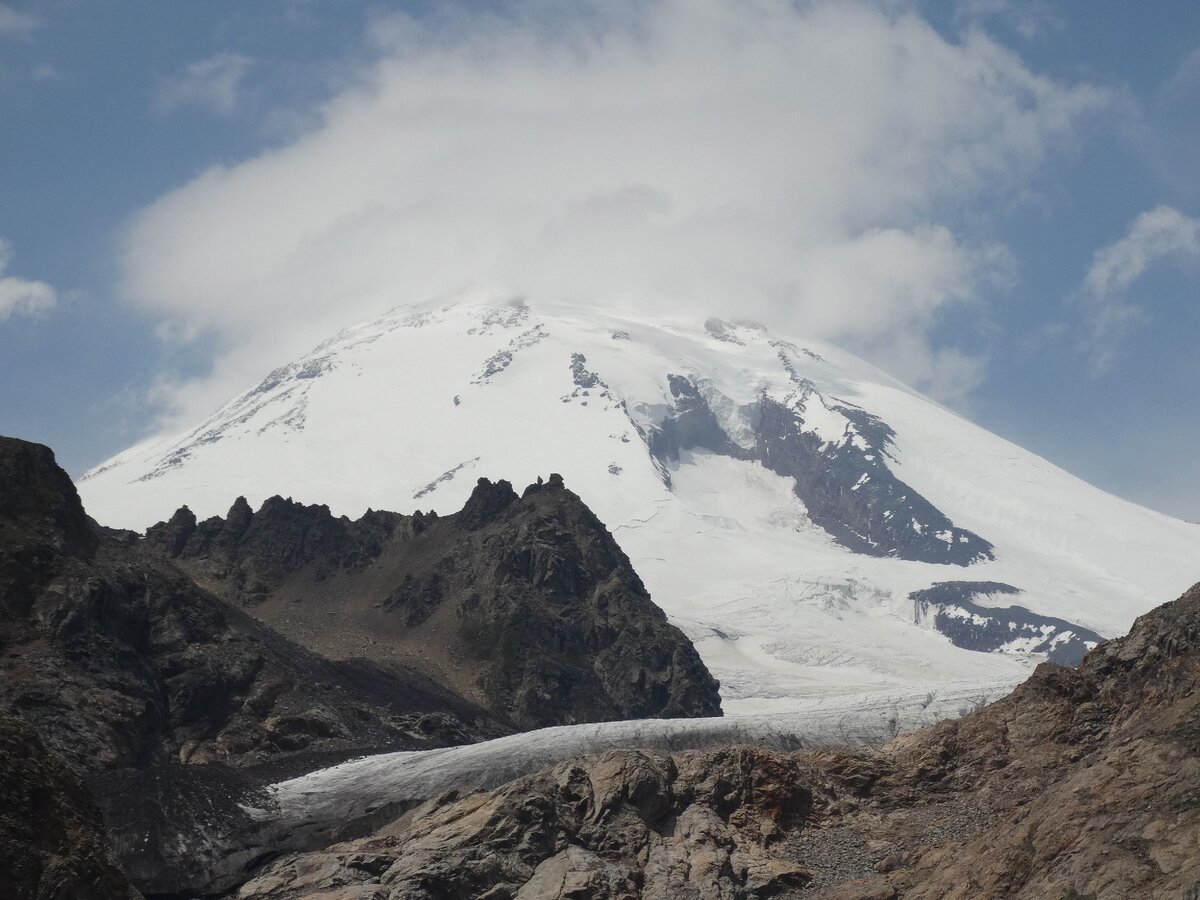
x,y
354,798
312,808
782,500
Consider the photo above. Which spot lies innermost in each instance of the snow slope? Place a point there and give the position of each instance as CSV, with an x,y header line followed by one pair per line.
x,y
671,432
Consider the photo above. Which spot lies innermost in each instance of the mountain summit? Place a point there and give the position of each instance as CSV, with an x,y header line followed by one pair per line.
x,y
813,525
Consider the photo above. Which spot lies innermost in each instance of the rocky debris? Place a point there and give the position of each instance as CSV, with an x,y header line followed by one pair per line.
x,y
52,846
722,331
525,604
581,375
448,475
585,382
1090,777
1081,783
510,314
493,366
502,359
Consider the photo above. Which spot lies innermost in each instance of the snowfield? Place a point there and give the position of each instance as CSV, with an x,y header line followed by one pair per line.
x,y
410,410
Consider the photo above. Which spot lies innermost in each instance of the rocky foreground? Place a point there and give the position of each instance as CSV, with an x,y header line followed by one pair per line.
x,y
1081,784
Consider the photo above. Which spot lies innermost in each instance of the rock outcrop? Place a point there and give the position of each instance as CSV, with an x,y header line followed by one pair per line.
x,y
524,604
185,713
844,481
1081,783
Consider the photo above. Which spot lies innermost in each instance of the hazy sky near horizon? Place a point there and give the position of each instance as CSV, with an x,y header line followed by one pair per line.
x,y
996,201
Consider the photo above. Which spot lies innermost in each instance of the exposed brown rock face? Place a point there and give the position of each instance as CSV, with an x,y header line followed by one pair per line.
x,y
526,605
1081,784
51,843
1092,776
623,824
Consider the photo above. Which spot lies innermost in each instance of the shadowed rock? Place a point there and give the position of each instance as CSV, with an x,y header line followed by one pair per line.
x,y
51,841
525,605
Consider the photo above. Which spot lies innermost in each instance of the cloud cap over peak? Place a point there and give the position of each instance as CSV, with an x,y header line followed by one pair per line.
x,y
802,164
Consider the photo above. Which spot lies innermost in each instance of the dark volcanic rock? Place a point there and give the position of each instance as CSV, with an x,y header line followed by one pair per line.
x,y
986,628
849,490
39,495
525,604
1087,780
51,843
178,829
284,536
690,424
846,486
486,504
180,707
41,523
117,660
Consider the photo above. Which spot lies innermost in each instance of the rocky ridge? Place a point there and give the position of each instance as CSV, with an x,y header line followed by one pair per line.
x,y
526,604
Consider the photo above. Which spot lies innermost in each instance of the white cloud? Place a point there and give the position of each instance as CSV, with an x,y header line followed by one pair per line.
x,y
1030,19
19,296
1186,78
213,84
1162,233
17,24
798,163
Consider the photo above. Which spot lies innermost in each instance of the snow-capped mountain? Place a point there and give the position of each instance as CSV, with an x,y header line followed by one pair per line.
x,y
815,527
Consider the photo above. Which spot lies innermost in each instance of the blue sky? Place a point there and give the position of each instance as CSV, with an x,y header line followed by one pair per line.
x,y
1037,268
